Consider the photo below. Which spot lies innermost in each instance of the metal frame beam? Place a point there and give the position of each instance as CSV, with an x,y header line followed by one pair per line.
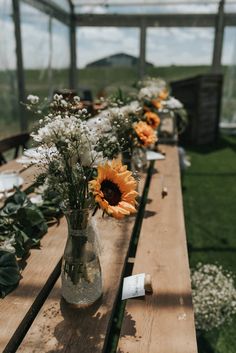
x,y
218,42
20,66
159,20
142,53
73,54
50,9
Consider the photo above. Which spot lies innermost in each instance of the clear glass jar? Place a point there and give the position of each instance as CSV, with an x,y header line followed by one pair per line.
x,y
81,271
139,159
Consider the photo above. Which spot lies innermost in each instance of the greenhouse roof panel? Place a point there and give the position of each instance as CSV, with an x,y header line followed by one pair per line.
x,y
150,6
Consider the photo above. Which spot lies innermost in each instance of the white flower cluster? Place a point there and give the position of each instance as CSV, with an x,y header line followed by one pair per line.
x,y
100,123
67,149
151,88
173,103
33,99
103,135
214,296
133,108
58,128
123,113
59,102
68,135
40,155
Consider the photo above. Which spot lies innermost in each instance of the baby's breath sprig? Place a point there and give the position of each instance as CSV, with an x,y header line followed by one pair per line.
x,y
214,296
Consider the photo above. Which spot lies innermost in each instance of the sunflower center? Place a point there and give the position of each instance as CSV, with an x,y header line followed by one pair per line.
x,y
111,192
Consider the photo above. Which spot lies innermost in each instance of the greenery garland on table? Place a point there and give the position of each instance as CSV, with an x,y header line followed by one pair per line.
x,y
22,225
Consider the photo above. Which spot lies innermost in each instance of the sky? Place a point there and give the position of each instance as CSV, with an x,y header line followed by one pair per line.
x,y
165,46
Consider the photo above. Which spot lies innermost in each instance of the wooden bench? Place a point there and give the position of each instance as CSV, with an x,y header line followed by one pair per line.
x,y
34,318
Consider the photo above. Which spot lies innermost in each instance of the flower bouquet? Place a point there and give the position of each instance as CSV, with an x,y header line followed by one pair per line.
x,y
167,111
134,133
84,181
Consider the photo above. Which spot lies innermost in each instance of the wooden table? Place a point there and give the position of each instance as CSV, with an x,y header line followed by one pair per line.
x,y
34,318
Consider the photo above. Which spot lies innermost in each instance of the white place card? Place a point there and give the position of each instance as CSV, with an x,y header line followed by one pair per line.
x,y
133,286
153,156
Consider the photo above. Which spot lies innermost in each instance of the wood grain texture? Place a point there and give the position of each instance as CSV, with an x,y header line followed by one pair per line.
x,y
62,328
162,322
12,166
36,268
39,266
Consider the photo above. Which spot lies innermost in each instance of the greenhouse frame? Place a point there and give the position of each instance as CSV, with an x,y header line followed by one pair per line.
x,y
67,13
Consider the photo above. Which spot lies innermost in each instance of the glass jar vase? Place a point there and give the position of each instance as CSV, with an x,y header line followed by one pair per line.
x,y
81,271
139,159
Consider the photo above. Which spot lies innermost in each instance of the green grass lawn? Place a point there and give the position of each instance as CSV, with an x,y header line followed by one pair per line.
x,y
209,193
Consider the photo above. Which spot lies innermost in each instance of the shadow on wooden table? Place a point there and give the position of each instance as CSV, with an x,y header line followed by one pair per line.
x,y
77,325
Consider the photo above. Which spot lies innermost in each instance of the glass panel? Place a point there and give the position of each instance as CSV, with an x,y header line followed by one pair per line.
x,y
230,6
107,58
60,56
9,122
45,51
228,115
177,53
141,6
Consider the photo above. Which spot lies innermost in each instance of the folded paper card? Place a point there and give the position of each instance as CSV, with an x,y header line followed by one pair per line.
x,y
153,156
133,286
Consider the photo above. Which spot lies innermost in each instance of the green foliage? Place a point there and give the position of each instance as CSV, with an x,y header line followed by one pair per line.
x,y
181,119
209,192
110,149
119,98
22,224
9,273
24,221
50,207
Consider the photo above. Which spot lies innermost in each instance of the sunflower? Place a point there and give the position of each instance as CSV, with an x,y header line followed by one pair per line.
x,y
145,133
152,119
114,189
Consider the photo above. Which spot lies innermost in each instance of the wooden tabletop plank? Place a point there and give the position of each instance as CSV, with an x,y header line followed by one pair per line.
x,y
115,243
39,266
60,328
162,322
14,166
